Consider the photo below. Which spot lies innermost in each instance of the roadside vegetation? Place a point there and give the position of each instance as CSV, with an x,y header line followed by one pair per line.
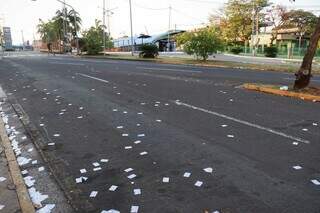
x,y
62,31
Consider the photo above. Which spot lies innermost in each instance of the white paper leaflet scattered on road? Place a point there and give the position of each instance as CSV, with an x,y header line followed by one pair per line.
x,y
82,171
97,169
23,161
187,174
56,135
208,170
315,182
305,130
297,167
134,209
128,170
2,179
137,142
110,211
51,144
165,180
137,191
230,136
24,172
314,124
143,153
93,194
29,181
47,208
81,179
198,183
36,196
113,188
104,160
96,164
132,176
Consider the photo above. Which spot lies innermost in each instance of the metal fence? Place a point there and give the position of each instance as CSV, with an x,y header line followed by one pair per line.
x,y
283,52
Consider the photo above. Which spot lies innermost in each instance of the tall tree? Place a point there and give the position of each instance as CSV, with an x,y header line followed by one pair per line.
x,y
93,39
303,75
237,20
67,20
276,16
201,43
47,31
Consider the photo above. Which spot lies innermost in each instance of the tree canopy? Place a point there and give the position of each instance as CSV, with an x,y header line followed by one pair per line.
x,y
201,43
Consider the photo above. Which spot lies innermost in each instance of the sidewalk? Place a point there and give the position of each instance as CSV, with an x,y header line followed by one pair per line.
x,y
8,198
31,187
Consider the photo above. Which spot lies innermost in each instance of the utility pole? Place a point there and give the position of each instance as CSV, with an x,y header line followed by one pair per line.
x,y
104,27
132,44
22,40
170,8
64,25
76,30
253,27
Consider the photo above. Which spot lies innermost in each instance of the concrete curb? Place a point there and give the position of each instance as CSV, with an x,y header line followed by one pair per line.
x,y
25,202
268,89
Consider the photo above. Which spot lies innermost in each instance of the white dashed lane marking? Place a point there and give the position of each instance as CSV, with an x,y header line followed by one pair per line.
x,y
243,122
167,69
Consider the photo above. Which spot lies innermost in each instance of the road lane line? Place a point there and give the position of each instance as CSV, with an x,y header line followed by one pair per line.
x,y
66,63
292,79
2,93
167,69
243,122
98,79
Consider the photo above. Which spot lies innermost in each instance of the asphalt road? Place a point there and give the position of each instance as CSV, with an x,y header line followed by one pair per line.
x,y
163,121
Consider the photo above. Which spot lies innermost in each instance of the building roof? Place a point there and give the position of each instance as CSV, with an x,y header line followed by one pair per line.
x,y
126,41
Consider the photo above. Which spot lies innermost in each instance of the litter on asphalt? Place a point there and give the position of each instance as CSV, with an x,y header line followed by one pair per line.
x,y
137,191
93,194
113,188
315,182
165,180
208,170
128,170
134,209
187,174
132,176
198,183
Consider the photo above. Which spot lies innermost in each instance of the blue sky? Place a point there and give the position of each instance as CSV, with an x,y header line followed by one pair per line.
x,y
148,15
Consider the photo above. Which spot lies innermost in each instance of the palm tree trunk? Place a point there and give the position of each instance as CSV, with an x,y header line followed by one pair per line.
x,y
304,74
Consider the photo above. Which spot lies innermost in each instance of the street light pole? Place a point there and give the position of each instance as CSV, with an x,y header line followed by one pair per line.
x,y
132,45
104,27
170,8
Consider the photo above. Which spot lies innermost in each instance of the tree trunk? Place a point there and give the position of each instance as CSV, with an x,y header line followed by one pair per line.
x,y
304,74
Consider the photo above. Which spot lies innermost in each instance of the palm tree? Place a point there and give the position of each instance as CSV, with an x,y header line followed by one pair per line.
x,y
69,21
47,31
